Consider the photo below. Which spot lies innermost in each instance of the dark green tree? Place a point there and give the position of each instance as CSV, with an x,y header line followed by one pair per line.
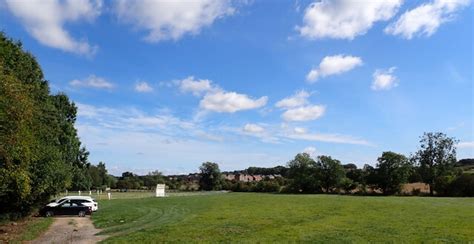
x,y
436,158
304,174
393,170
211,178
332,173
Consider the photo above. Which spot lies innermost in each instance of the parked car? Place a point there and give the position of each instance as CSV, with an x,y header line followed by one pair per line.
x,y
85,200
67,207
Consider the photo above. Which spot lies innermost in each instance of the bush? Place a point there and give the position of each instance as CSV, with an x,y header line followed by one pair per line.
x,y
462,186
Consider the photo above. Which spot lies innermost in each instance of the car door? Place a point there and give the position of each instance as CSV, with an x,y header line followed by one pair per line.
x,y
62,208
75,208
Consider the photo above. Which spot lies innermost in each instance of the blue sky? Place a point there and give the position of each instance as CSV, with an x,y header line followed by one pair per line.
x,y
167,86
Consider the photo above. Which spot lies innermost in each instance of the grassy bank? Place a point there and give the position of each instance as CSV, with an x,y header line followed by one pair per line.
x,y
282,218
24,230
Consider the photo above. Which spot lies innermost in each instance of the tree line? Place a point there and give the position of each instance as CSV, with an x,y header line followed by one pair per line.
x,y
434,164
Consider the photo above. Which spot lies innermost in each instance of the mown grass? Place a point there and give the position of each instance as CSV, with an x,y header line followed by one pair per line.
x,y
252,217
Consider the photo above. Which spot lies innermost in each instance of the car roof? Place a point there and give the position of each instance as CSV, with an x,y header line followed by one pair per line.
x,y
78,197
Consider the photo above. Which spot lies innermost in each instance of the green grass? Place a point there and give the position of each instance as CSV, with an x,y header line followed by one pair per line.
x,y
252,217
33,228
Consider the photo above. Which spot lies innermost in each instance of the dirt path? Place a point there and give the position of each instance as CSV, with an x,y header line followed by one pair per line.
x,y
70,230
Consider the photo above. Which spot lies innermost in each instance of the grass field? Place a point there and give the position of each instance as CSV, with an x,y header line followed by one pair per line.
x,y
252,217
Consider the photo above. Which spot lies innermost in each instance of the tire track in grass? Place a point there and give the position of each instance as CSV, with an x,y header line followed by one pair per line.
x,y
153,218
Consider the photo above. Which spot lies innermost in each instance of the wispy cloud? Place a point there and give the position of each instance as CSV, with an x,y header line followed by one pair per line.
x,y
92,81
425,19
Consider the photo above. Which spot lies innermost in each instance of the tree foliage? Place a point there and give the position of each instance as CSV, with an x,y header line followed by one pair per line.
x,y
393,170
211,178
332,173
436,158
39,147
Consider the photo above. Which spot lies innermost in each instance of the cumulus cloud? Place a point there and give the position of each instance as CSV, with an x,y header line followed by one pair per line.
x,y
425,19
333,65
230,102
92,81
45,21
305,113
253,128
298,99
196,86
171,20
143,86
384,79
345,19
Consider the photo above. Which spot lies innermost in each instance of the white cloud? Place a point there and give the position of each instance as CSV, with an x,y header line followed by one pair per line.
x,y
253,128
333,65
92,81
195,86
298,99
45,20
299,130
465,144
230,102
170,20
305,113
311,151
334,138
384,79
426,18
143,86
345,19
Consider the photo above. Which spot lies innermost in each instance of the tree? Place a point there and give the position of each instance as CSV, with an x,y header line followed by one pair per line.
x,y
392,171
211,178
39,146
332,173
303,173
436,158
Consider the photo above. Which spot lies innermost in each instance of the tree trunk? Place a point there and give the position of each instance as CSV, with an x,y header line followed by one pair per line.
x,y
431,189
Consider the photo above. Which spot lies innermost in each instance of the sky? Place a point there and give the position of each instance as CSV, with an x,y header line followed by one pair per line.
x,y
168,85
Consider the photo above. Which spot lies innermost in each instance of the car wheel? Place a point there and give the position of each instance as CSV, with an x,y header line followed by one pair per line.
x,y
82,214
49,214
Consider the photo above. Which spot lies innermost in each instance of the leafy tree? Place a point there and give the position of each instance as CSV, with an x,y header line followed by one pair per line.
x,y
303,173
211,178
39,146
152,179
393,170
436,158
332,172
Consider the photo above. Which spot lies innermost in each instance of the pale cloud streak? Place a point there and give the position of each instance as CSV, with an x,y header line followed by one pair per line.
x,y
143,87
230,102
305,113
92,81
300,98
